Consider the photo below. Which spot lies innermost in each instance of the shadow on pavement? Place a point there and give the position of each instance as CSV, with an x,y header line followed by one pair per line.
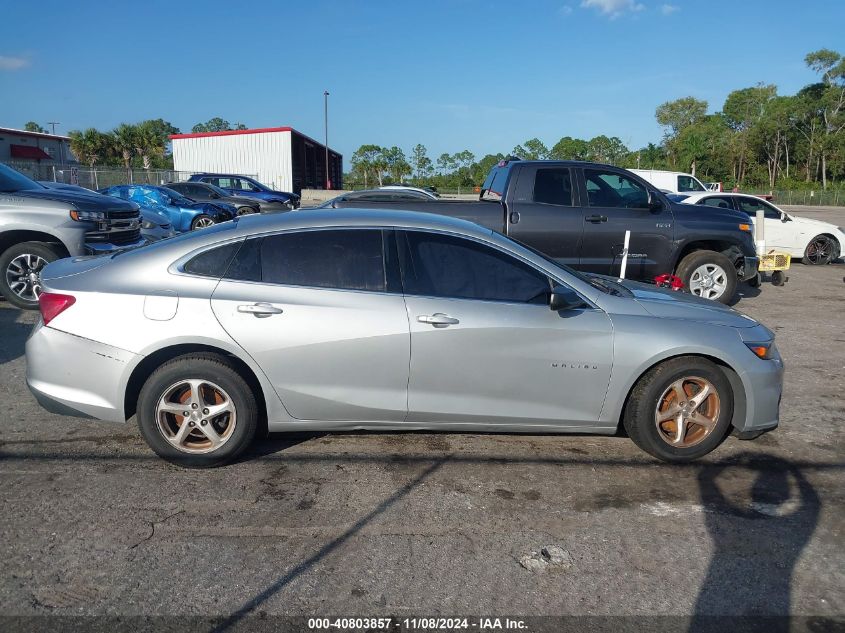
x,y
13,335
757,540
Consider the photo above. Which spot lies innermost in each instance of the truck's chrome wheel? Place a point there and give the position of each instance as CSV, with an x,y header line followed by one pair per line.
x,y
709,281
687,411
23,274
196,416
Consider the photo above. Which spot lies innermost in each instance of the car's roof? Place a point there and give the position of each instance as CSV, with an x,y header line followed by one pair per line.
x,y
695,197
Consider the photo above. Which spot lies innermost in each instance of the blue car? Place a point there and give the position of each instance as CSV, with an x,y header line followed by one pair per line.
x,y
243,186
184,214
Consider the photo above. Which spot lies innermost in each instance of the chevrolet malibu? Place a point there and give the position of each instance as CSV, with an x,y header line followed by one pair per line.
x,y
358,319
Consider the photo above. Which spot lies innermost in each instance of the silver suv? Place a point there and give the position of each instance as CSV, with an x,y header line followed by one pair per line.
x,y
39,225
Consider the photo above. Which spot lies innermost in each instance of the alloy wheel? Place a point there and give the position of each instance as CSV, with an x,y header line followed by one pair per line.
x,y
23,275
687,412
820,250
196,416
709,281
203,223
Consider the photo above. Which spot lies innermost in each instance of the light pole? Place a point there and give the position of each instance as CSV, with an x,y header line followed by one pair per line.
x,y
326,122
53,125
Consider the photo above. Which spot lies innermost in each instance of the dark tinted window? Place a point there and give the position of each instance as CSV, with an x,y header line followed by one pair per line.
x,y
553,186
350,259
612,189
751,205
688,183
716,201
213,262
437,265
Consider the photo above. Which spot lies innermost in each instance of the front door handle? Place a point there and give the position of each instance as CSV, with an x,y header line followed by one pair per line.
x,y
438,319
259,310
515,217
595,219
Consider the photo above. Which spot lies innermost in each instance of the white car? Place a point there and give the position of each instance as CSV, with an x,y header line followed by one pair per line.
x,y
417,189
812,241
671,181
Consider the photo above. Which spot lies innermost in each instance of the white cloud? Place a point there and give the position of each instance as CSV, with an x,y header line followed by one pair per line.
x,y
613,8
13,63
565,10
669,9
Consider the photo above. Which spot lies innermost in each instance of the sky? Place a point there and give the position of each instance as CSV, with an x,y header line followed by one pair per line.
x,y
483,75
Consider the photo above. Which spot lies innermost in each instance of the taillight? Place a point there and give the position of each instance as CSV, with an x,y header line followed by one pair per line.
x,y
52,305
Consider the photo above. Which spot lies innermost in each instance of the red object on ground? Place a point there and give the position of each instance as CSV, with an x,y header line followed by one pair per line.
x,y
669,281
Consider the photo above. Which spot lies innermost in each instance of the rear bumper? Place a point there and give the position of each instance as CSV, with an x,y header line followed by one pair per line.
x,y
76,376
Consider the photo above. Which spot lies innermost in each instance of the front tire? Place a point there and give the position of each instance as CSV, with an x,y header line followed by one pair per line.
x,y
821,250
246,211
20,272
202,221
710,275
680,410
197,411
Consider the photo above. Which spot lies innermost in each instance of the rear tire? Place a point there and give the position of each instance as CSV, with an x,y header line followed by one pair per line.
x,y
221,425
665,397
20,272
710,275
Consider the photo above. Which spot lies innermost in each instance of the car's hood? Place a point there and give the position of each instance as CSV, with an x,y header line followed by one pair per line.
x,y
810,222
83,201
669,304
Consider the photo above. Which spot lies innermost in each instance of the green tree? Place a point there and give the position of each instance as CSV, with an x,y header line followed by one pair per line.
x,y
532,149
89,147
680,113
446,164
421,162
364,162
603,149
395,164
32,126
150,141
483,167
215,125
831,66
569,148
124,143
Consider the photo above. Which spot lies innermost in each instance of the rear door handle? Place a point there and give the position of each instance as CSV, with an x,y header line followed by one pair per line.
x,y
595,219
259,310
438,319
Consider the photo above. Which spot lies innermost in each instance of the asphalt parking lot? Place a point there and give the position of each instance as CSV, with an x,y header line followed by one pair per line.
x,y
378,524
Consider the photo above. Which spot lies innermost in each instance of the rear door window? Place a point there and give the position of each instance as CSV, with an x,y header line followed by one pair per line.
x,y
213,262
438,265
344,259
717,201
553,186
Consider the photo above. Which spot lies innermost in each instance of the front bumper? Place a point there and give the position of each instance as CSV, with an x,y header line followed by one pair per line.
x,y
102,248
747,268
72,375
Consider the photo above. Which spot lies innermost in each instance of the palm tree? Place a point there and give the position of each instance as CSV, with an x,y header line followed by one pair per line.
x,y
89,147
123,138
148,143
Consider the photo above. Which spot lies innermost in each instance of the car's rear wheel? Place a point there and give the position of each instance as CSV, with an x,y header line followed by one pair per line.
x,y
709,274
821,250
197,411
680,409
202,221
20,270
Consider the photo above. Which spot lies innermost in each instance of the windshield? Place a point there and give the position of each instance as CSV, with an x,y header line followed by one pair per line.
x,y
12,181
175,196
218,190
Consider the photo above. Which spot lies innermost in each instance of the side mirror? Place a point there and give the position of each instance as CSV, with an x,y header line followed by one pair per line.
x,y
654,203
214,195
563,298
785,218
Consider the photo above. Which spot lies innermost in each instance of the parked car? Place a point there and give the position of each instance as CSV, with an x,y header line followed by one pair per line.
x,y
426,192
304,318
577,213
184,214
377,195
40,225
249,187
812,241
670,181
155,225
205,192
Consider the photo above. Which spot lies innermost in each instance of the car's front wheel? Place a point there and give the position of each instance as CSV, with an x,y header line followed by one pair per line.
x,y
246,210
197,411
680,410
821,250
202,221
20,267
709,274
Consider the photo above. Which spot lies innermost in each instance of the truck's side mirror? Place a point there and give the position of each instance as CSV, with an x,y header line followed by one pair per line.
x,y
563,298
654,203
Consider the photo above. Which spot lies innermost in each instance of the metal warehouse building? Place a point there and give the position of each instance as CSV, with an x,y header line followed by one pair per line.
x,y
279,157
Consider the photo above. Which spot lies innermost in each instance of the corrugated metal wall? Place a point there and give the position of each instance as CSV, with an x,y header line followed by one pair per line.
x,y
265,155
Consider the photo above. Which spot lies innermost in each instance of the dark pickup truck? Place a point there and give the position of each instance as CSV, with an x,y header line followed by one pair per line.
x,y
577,213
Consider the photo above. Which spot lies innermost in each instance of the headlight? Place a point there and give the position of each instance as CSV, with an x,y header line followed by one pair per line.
x,y
765,350
87,216
146,224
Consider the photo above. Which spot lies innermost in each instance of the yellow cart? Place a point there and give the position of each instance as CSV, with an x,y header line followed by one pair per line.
x,y
776,263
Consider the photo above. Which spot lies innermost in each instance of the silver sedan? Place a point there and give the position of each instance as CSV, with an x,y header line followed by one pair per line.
x,y
356,319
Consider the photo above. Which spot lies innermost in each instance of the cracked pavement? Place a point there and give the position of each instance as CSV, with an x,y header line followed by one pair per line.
x,y
428,523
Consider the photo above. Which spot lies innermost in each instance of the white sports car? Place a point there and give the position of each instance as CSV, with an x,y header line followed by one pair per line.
x,y
812,241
